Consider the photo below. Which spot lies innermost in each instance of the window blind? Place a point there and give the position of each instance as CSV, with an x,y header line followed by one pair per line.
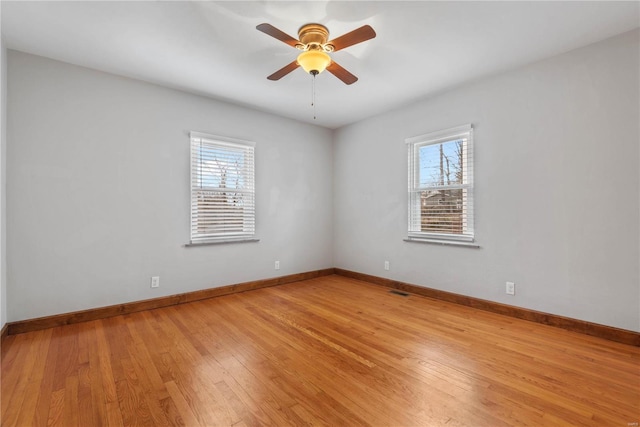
x,y
222,189
441,185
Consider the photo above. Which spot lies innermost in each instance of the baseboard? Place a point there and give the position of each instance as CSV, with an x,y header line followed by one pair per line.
x,y
132,307
594,329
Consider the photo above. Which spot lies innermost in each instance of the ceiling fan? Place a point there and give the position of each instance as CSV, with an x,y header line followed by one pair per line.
x,y
315,48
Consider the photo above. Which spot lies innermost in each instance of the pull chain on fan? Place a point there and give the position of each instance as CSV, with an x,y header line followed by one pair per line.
x,y
313,95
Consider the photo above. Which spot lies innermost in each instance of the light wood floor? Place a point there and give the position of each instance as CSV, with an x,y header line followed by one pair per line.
x,y
329,351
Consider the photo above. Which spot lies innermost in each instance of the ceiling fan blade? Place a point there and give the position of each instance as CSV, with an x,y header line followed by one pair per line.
x,y
356,36
276,33
346,77
284,71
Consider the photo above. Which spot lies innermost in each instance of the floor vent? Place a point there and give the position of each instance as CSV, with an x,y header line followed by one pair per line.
x,y
402,294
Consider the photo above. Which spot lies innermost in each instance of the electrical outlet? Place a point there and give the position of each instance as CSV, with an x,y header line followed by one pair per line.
x,y
511,288
277,266
386,265
155,282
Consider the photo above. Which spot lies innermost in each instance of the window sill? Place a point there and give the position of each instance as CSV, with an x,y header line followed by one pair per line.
x,y
443,242
221,242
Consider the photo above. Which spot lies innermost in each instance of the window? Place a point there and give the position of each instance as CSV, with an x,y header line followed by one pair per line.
x,y
441,185
222,189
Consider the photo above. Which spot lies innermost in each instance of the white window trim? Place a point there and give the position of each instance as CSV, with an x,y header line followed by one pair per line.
x,y
413,143
232,143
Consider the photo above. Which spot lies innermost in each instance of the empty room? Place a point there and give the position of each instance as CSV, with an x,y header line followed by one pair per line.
x,y
332,213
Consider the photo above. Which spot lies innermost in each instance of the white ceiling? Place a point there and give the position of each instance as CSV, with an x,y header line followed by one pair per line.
x,y
213,48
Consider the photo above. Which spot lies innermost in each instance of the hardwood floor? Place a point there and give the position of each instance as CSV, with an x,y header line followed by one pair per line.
x,y
328,351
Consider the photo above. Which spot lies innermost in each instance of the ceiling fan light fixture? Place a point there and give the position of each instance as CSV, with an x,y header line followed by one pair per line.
x,y
314,61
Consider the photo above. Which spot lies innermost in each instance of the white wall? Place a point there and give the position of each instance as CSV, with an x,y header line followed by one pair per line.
x,y
556,195
98,191
3,182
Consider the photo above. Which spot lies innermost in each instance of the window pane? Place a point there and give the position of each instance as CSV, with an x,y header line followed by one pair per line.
x,y
441,164
441,211
222,212
221,168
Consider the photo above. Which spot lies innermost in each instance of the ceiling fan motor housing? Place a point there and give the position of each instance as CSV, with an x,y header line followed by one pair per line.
x,y
314,37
